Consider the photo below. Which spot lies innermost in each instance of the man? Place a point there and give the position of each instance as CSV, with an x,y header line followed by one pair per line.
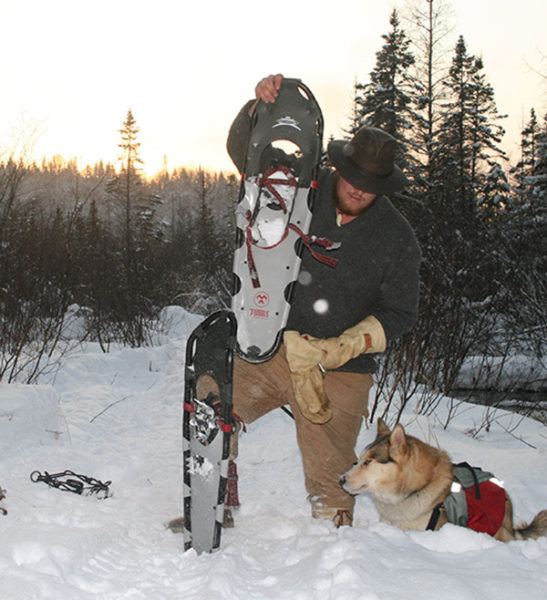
x,y
340,317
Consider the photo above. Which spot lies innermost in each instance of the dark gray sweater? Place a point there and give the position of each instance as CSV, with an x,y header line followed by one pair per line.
x,y
377,273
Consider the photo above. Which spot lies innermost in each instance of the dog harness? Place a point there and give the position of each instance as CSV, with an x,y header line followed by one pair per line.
x,y
476,500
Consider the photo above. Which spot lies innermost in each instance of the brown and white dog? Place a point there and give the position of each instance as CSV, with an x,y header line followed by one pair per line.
x,y
408,478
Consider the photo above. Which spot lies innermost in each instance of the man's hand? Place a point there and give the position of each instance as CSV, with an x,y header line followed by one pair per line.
x,y
267,88
306,377
366,337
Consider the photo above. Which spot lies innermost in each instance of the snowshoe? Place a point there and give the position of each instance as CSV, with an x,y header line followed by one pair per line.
x,y
207,425
273,216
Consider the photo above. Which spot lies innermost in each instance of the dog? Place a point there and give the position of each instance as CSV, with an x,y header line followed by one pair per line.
x,y
408,480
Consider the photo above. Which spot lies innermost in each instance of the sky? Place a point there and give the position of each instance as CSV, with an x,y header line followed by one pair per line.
x,y
71,69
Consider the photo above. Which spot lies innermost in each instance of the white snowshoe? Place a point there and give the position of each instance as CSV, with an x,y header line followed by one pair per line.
x,y
273,216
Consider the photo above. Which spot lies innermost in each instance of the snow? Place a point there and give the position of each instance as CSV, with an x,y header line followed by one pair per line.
x,y
503,373
270,224
269,231
47,426
321,306
117,417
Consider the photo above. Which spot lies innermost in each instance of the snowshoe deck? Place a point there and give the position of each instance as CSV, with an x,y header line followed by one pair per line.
x,y
273,216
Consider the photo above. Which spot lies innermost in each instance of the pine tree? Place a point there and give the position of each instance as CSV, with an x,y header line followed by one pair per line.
x,y
469,135
387,102
532,183
431,24
355,117
136,209
495,192
205,228
528,149
524,242
209,257
126,185
539,172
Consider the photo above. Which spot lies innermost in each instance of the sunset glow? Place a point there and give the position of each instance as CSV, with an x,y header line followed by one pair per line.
x,y
72,69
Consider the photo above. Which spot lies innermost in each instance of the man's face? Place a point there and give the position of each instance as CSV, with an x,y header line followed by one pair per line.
x,y
350,200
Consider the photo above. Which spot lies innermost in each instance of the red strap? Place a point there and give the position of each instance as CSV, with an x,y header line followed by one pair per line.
x,y
324,242
253,271
306,239
231,498
188,407
237,418
225,427
269,182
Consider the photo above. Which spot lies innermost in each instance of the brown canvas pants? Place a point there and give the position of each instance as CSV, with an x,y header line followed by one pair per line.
x,y
327,450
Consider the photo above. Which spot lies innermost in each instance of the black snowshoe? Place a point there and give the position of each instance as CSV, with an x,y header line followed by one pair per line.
x,y
207,426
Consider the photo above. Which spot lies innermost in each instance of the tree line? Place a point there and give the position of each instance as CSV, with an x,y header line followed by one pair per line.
x,y
111,245
480,220
121,246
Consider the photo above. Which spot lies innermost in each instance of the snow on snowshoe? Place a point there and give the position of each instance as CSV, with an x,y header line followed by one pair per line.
x,y
273,216
207,426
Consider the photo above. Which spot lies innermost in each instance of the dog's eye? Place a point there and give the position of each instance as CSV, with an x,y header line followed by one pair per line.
x,y
367,462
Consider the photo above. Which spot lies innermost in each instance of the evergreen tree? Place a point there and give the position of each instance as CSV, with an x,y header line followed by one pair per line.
x,y
12,173
204,229
136,209
528,149
532,188
495,192
539,173
469,135
355,117
431,22
126,186
524,247
387,101
208,257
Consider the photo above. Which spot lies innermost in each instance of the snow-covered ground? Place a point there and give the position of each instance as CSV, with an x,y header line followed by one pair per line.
x,y
117,417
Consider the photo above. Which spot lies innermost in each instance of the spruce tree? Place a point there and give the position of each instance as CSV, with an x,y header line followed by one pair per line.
x,y
524,243
388,100
431,24
126,186
135,208
528,149
469,135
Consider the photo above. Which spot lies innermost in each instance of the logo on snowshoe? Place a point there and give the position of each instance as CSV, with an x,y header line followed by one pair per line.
x,y
261,299
287,122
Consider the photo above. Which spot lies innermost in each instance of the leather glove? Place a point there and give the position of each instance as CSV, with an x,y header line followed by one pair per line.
x,y
366,337
307,377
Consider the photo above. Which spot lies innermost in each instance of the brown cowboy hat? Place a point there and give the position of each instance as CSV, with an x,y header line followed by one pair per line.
x,y
366,161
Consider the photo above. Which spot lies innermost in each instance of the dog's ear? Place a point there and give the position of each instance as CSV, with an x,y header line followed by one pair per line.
x,y
383,429
397,440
